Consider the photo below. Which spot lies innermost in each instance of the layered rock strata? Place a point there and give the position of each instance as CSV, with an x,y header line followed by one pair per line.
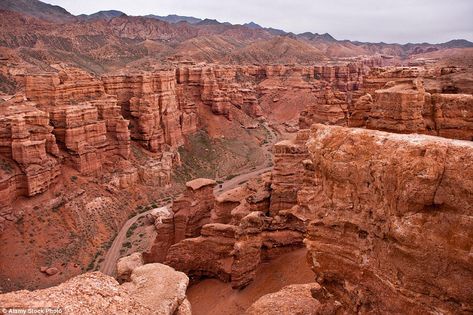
x,y
405,107
390,215
151,101
287,174
87,122
232,251
29,164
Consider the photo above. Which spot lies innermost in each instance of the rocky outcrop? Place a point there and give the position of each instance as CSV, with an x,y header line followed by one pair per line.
x,y
159,287
189,213
405,107
67,86
293,299
453,115
287,172
377,77
360,111
163,219
82,135
232,252
389,214
87,122
331,108
157,116
192,210
153,289
29,164
127,264
347,77
398,108
208,255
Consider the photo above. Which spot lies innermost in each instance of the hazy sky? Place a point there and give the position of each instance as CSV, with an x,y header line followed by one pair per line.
x,y
365,20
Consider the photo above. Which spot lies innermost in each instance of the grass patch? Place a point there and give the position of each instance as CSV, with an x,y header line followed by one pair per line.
x,y
131,230
230,176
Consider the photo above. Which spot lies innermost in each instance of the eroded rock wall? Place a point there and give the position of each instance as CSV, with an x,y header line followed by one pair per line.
x,y
29,164
406,107
233,251
391,220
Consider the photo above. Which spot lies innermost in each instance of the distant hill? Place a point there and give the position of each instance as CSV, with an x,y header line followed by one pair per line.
x,y
43,34
105,15
38,9
253,25
172,18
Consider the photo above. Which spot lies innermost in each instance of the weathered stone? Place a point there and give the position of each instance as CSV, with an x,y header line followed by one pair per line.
x,y
388,213
154,289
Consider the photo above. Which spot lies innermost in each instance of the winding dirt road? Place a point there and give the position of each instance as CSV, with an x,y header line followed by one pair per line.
x,y
238,180
108,266
260,169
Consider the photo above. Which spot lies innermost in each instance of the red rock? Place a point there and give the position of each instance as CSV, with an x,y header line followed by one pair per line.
x,y
51,271
206,255
453,115
163,219
293,299
287,172
192,210
153,288
330,108
398,108
388,213
27,141
155,108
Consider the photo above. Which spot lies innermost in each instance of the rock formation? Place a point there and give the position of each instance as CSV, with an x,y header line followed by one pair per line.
x,y
87,122
127,264
331,108
398,108
293,299
71,118
153,289
29,164
389,219
287,172
405,107
192,210
232,251
151,101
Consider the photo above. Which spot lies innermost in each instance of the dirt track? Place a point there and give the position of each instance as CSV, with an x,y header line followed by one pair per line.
x,y
108,266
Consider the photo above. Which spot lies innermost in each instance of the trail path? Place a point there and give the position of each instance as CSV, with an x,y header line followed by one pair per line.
x,y
255,171
108,266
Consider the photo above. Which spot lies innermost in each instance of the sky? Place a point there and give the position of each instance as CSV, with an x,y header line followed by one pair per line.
x,y
390,21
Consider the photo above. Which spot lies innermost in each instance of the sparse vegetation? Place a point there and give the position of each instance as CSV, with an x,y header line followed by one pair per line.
x,y
131,230
6,166
230,176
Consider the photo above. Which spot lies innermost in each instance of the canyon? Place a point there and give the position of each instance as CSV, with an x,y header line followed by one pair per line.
x,y
140,174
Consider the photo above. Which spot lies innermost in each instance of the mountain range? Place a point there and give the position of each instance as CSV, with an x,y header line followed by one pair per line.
x,y
41,34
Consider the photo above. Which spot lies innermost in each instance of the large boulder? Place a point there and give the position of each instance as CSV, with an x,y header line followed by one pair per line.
x,y
391,220
293,299
154,289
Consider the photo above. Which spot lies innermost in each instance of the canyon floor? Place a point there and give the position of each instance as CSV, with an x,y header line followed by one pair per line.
x,y
212,296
